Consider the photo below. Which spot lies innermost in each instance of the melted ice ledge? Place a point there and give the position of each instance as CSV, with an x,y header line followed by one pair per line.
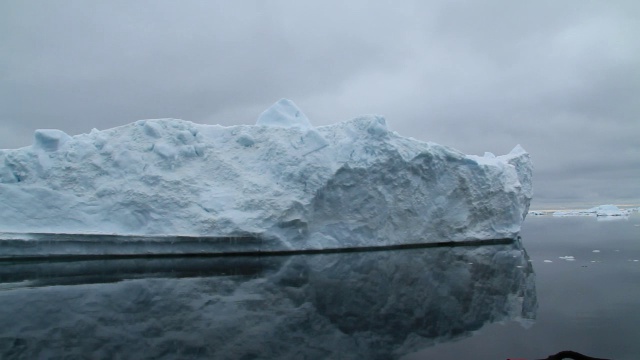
x,y
353,183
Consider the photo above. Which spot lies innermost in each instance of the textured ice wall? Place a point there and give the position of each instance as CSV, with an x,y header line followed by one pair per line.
x,y
348,184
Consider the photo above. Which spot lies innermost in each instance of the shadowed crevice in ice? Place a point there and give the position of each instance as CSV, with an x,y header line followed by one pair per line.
x,y
366,305
43,245
65,271
33,246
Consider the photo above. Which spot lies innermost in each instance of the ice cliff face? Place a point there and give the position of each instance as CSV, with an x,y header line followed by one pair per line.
x,y
348,184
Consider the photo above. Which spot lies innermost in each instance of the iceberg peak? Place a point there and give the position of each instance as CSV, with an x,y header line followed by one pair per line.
x,y
517,150
284,113
50,139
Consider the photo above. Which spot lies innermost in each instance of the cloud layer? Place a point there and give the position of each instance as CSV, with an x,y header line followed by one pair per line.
x,y
560,78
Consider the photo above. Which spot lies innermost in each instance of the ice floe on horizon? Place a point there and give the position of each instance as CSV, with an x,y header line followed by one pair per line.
x,y
602,210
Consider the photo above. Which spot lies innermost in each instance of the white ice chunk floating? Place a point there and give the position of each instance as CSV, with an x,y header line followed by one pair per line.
x,y
609,210
602,210
282,183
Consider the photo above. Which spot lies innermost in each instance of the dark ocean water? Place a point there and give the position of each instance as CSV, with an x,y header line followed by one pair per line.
x,y
518,300
590,305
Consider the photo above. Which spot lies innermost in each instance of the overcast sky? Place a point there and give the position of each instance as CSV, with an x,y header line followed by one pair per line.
x,y
561,78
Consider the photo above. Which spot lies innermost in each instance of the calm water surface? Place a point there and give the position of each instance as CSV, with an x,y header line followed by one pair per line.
x,y
590,305
519,300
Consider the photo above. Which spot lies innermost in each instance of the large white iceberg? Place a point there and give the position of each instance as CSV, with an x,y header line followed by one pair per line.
x,y
282,181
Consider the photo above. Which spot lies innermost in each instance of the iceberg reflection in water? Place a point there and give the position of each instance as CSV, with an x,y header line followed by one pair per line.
x,y
377,304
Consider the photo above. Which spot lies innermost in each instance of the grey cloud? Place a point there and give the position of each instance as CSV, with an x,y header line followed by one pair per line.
x,y
560,78
164,59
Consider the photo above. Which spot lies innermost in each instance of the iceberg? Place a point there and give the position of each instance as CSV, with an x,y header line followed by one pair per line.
x,y
281,184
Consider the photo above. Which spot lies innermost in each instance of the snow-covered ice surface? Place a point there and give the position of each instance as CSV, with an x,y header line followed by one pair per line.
x,y
282,181
365,305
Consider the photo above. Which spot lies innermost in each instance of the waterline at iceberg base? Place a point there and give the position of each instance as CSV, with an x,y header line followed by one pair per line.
x,y
281,182
365,305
